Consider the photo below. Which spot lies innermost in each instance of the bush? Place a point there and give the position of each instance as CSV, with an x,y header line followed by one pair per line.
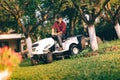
x,y
106,31
83,53
9,59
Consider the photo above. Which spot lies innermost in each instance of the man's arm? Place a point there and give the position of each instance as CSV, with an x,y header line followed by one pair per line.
x,y
53,29
53,32
59,33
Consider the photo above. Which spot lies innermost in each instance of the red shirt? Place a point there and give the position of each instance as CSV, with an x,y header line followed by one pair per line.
x,y
60,27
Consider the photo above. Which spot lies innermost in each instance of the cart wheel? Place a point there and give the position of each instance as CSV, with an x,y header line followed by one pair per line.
x,y
74,49
49,58
34,61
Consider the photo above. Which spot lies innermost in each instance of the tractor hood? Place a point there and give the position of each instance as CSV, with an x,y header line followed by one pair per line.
x,y
42,45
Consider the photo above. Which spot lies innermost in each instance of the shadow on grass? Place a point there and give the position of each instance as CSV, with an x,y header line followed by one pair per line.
x,y
26,62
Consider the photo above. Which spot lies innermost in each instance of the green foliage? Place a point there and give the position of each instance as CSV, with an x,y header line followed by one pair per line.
x,y
112,10
83,53
90,4
29,7
16,9
52,7
46,31
25,62
103,29
6,21
93,3
113,2
42,32
106,31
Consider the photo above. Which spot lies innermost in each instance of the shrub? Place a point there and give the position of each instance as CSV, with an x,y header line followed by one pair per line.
x,y
8,59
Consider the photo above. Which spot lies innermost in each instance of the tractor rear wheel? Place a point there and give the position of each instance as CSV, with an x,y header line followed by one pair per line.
x,y
34,61
49,58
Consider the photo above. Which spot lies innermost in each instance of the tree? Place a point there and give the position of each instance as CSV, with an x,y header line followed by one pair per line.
x,y
20,8
112,14
6,19
89,10
72,15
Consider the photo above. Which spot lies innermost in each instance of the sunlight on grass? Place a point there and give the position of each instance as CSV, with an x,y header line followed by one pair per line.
x,y
101,67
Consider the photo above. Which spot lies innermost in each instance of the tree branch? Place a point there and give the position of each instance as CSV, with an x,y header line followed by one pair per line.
x,y
116,12
98,13
7,9
106,17
81,12
16,9
106,2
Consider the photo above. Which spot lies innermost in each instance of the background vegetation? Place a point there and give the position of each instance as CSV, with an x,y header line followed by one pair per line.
x,y
35,26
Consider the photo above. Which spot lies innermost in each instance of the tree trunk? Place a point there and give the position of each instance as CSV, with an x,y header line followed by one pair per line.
x,y
28,39
21,25
92,35
29,45
117,29
72,26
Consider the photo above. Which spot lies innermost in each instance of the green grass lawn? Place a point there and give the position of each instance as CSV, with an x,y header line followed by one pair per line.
x,y
105,66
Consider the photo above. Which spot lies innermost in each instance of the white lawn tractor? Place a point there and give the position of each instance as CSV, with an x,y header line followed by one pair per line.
x,y
46,50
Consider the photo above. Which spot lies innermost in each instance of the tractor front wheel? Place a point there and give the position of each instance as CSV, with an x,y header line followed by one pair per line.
x,y
74,49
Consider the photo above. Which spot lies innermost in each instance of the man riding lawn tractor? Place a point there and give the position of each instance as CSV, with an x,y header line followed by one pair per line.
x,y
59,30
48,49
57,46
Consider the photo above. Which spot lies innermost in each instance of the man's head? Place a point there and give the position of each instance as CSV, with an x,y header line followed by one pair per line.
x,y
59,18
